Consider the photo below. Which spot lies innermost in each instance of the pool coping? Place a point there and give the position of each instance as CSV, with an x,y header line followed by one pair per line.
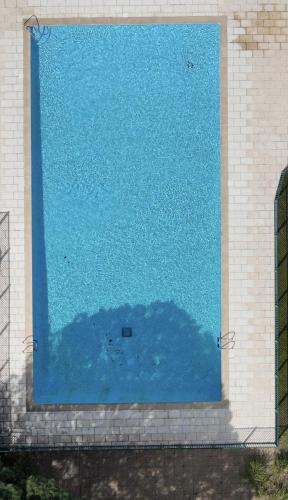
x,y
224,403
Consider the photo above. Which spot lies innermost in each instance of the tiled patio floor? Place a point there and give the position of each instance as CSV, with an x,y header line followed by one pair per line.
x,y
257,99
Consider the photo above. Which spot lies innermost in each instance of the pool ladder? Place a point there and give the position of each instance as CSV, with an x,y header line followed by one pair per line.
x,y
28,27
226,341
30,343
40,30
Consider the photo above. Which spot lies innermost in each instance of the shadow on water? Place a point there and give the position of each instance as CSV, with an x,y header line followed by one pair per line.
x,y
40,294
167,359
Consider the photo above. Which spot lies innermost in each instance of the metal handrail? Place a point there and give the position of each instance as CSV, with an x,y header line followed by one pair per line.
x,y
229,339
26,27
33,344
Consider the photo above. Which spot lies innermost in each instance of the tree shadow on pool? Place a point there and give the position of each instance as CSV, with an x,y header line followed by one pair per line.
x,y
168,358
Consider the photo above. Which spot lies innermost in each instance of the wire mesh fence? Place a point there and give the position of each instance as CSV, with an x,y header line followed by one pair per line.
x,y
281,302
5,408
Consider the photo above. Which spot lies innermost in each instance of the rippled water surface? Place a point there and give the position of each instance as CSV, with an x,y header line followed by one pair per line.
x,y
126,213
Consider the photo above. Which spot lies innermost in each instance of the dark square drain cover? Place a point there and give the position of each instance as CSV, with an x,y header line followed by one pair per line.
x,y
126,331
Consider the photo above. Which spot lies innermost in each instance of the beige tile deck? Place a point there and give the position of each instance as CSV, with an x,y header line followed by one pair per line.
x,y
257,152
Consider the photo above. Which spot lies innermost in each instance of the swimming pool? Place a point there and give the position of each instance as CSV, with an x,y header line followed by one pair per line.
x,y
126,213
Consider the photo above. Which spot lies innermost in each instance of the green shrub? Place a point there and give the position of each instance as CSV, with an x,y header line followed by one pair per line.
x,y
269,478
10,492
46,489
17,482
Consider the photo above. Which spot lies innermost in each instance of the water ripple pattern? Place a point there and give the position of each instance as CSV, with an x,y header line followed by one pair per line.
x,y
126,213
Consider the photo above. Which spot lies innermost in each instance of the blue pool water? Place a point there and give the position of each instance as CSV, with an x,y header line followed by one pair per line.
x,y
126,213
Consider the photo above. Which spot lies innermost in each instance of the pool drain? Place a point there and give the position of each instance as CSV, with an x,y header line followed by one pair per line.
x,y
126,331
